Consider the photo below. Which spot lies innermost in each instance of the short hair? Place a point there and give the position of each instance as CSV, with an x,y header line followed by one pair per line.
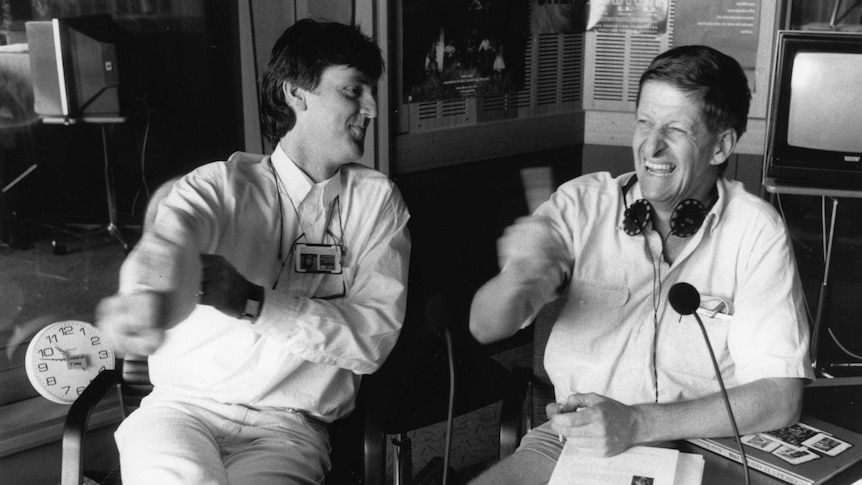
x,y
300,56
714,78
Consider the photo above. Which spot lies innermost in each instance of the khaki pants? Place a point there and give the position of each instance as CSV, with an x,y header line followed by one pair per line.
x,y
207,442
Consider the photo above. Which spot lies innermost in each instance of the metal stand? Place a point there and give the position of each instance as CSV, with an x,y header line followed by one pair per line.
x,y
835,19
112,226
774,188
111,195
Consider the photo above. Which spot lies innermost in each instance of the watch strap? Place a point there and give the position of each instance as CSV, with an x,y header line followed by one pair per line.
x,y
254,303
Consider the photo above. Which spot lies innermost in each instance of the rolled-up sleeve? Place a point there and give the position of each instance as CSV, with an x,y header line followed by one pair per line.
x,y
769,334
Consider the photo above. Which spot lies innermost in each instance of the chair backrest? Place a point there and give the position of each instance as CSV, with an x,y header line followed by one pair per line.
x,y
542,389
135,383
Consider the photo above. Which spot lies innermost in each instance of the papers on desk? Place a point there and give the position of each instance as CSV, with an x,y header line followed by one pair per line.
x,y
639,465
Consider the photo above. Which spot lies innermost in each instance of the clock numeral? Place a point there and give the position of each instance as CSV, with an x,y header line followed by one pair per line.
x,y
95,340
51,381
103,354
80,390
83,330
66,330
46,352
42,367
66,389
52,339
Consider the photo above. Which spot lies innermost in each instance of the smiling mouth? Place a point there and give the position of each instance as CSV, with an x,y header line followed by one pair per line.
x,y
659,169
358,132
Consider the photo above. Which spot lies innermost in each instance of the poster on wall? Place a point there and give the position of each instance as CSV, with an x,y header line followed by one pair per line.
x,y
558,16
637,16
463,48
730,26
647,17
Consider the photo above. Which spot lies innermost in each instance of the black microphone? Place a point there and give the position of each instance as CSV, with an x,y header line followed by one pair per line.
x,y
685,299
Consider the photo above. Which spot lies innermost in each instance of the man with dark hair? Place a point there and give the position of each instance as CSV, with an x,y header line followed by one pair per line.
x,y
264,287
626,368
300,56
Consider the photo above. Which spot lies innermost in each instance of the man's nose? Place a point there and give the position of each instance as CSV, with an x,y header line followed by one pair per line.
x,y
368,105
653,143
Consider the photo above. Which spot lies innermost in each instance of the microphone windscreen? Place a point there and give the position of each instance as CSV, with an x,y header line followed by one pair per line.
x,y
684,298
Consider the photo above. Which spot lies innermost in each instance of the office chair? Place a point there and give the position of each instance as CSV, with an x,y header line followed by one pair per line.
x,y
406,394
526,409
132,375
412,391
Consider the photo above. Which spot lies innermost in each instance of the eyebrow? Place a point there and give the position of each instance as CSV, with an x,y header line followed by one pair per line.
x,y
360,78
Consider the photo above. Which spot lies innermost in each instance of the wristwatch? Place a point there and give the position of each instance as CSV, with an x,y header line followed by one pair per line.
x,y
253,303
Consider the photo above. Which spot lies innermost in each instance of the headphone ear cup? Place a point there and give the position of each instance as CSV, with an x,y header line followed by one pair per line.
x,y
687,218
637,217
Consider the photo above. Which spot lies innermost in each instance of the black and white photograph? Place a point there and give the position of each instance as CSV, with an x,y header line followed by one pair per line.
x,y
795,456
463,48
795,435
638,480
448,242
826,444
761,442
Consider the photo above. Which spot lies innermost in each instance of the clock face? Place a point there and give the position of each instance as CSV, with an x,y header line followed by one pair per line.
x,y
64,357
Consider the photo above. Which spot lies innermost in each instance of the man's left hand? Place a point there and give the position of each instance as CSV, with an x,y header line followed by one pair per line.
x,y
594,424
222,286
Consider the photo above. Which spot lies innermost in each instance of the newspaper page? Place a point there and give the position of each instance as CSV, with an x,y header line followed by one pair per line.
x,y
639,465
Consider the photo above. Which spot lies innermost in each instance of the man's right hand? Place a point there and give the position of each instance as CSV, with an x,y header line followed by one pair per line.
x,y
134,323
534,265
531,248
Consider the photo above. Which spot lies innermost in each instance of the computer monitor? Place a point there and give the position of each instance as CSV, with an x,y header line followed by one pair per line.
x,y
74,66
815,112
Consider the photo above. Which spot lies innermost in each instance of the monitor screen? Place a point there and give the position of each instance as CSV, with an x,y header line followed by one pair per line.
x,y
825,110
74,66
815,110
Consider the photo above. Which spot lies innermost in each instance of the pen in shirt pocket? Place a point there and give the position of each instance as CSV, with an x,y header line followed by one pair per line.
x,y
715,307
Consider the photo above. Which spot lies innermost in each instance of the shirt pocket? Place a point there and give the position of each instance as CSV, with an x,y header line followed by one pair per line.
x,y
589,321
686,333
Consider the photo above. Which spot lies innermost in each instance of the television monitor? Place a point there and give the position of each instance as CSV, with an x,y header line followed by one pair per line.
x,y
74,66
814,121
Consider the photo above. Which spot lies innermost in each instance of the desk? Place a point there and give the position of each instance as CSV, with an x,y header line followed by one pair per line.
x,y
719,470
776,188
112,227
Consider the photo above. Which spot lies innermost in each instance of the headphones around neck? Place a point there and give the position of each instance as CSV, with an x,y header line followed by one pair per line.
x,y
686,219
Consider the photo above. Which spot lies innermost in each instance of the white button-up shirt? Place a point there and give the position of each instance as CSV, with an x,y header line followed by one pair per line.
x,y
305,351
742,263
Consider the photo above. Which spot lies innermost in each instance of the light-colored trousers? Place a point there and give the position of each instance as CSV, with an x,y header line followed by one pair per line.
x,y
204,442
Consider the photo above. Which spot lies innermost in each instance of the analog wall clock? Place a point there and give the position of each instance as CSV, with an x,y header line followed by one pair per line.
x,y
64,357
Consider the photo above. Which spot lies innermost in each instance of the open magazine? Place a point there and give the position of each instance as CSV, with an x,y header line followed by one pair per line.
x,y
807,453
639,465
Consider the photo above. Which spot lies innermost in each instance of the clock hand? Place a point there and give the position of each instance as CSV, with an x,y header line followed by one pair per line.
x,y
64,352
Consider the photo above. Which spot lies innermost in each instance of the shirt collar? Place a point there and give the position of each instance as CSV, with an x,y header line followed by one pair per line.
x,y
298,184
717,210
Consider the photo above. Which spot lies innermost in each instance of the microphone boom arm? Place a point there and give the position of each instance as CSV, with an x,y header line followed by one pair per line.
x,y
724,394
685,299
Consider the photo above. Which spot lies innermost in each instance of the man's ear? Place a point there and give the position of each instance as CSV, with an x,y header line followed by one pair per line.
x,y
724,145
294,95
